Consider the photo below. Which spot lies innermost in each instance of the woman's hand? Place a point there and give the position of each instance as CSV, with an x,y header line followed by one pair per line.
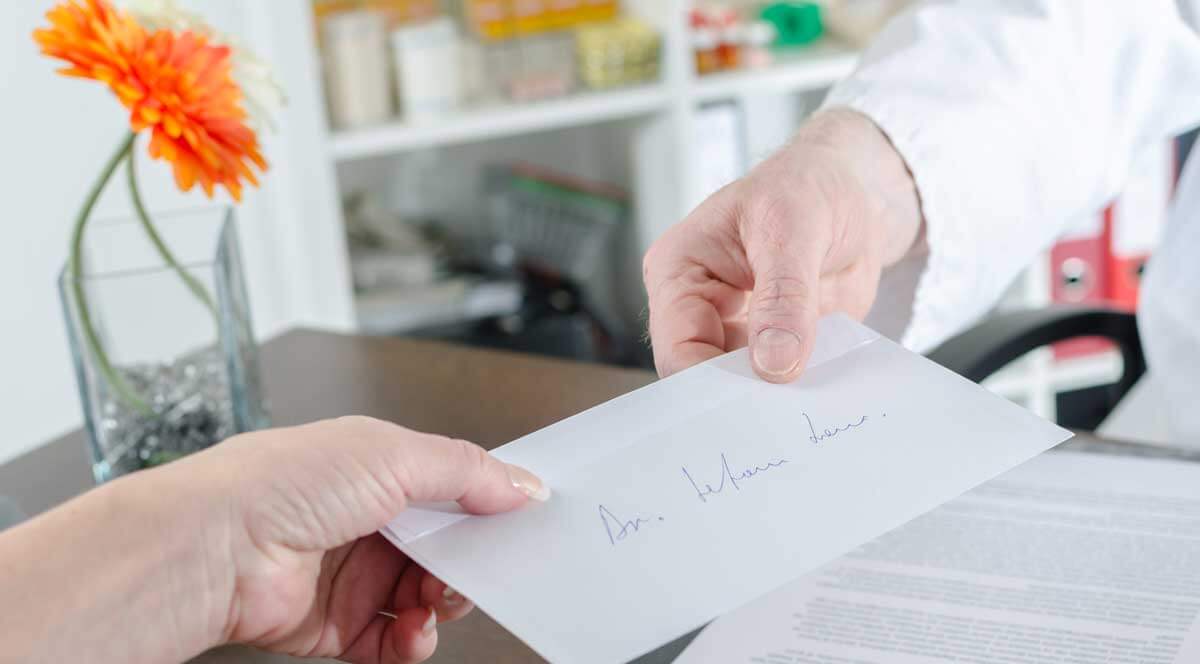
x,y
268,538
805,233
308,573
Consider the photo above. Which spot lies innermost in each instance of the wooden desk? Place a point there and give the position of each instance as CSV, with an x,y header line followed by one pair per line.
x,y
487,397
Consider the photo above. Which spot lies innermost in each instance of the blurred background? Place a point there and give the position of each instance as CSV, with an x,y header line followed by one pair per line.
x,y
488,172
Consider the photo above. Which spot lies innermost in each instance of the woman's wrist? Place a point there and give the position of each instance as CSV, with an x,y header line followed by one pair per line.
x,y
193,531
127,572
172,578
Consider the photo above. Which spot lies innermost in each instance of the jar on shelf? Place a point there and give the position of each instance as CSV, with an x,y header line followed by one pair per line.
x,y
704,45
545,67
427,66
729,47
724,21
357,73
623,52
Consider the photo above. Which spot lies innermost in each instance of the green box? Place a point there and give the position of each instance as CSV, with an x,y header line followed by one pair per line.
x,y
797,23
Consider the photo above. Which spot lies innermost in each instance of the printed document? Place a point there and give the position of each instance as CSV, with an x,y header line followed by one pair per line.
x,y
1071,558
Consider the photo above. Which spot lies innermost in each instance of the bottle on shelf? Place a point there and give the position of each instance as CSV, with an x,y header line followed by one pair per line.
x,y
705,43
724,20
739,35
729,48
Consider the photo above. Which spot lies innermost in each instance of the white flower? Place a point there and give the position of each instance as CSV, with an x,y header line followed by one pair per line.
x,y
262,94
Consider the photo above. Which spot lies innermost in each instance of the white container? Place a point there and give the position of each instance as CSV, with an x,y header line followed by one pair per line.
x,y
428,69
357,77
756,53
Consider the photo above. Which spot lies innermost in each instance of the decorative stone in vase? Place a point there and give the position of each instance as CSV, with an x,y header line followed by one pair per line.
x,y
164,351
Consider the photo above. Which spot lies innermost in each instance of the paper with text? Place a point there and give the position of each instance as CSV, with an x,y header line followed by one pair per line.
x,y
687,498
1069,558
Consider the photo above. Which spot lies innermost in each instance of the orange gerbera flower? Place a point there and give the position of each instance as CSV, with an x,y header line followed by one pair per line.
x,y
176,85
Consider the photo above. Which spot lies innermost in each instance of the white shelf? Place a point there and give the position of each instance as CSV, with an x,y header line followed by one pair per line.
x,y
499,121
796,69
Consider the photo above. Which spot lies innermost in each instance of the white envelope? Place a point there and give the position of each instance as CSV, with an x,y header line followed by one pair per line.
x,y
687,498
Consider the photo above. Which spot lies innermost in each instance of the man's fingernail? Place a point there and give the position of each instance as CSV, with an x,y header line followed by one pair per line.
x,y
777,351
430,622
528,483
450,597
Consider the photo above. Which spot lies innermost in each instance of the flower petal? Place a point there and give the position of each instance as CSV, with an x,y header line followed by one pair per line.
x,y
178,85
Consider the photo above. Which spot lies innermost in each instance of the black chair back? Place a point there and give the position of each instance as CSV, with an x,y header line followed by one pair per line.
x,y
985,348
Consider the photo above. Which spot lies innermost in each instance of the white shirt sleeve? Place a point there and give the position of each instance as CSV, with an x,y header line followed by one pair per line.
x,y
1015,118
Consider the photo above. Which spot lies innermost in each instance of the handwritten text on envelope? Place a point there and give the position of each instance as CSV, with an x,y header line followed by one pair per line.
x,y
683,500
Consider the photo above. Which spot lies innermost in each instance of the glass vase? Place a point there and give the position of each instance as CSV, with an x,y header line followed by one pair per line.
x,y
164,352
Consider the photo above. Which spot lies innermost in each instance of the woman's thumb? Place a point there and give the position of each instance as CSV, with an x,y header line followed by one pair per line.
x,y
435,469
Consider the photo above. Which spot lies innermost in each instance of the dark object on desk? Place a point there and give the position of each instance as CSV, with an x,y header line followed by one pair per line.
x,y
555,318
982,350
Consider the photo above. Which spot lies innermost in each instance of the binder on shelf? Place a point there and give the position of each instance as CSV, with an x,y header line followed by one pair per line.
x,y
1103,261
1079,275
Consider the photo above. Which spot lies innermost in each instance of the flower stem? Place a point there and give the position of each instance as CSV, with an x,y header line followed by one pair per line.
x,y
191,282
81,304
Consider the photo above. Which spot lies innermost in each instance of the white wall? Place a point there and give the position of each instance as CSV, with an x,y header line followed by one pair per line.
x,y
55,133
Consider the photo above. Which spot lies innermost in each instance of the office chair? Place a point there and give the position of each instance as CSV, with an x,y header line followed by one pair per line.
x,y
982,350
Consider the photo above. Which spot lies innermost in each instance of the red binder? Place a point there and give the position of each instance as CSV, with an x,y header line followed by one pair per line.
x,y
1103,262
1079,275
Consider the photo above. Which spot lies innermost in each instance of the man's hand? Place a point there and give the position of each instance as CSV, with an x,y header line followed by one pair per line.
x,y
806,233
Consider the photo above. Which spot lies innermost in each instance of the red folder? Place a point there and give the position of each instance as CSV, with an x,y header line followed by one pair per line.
x,y
1079,275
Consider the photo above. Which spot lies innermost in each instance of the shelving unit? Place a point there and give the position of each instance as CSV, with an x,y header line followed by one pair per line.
x,y
662,161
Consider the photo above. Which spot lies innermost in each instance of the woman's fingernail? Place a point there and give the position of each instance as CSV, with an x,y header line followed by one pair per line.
x,y
528,483
450,597
777,351
430,622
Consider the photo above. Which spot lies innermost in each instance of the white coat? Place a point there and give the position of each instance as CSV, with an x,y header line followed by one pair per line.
x,y
1016,117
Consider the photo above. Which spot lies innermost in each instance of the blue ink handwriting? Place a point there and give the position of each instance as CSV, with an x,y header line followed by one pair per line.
x,y
618,528
727,475
816,437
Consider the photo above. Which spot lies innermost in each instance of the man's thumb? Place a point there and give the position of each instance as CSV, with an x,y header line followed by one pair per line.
x,y
782,323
